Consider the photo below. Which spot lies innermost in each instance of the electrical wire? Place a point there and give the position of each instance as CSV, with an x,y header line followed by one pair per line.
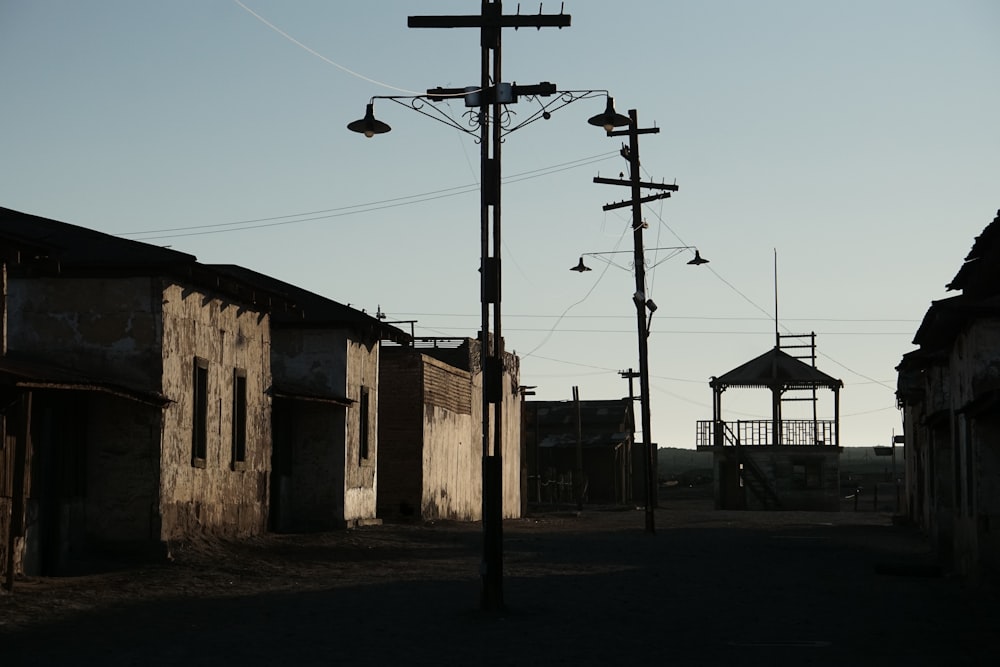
x,y
353,209
320,55
586,296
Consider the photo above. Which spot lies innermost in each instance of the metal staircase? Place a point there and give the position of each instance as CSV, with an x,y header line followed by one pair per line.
x,y
753,477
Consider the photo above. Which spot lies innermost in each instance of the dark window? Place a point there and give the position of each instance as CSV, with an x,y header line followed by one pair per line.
x,y
199,418
363,426
807,475
239,417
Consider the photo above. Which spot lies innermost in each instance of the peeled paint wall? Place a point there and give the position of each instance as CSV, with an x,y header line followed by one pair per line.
x,y
452,451
219,498
511,439
107,327
313,359
331,484
99,486
360,489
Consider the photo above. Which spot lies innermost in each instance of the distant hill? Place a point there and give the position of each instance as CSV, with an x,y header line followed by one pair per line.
x,y
687,465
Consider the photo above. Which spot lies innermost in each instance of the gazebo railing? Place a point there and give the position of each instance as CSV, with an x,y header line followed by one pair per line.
x,y
761,432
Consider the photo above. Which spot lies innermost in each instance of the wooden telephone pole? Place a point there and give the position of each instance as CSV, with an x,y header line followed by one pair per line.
x,y
631,154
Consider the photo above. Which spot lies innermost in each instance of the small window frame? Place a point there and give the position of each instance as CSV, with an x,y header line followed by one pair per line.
x,y
364,425
199,413
239,420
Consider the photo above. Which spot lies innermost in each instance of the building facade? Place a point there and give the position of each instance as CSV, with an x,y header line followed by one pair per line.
x,y
150,399
431,426
324,359
949,391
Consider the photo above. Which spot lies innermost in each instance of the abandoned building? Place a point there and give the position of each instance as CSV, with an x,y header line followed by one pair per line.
x,y
138,381
150,398
582,450
782,462
325,393
949,390
430,454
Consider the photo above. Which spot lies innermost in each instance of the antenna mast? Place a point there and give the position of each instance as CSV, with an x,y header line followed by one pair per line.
x,y
777,334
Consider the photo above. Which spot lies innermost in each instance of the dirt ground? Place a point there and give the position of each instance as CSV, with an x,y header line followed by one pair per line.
x,y
582,588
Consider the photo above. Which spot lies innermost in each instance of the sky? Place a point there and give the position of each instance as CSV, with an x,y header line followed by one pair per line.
x,y
845,153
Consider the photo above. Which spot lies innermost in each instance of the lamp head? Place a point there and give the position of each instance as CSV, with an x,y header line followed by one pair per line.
x,y
698,259
610,119
581,267
368,125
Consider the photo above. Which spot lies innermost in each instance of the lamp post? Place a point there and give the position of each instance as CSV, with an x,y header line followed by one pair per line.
x,y
636,185
489,122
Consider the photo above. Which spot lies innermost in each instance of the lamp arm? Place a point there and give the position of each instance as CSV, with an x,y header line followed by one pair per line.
x,y
562,98
419,103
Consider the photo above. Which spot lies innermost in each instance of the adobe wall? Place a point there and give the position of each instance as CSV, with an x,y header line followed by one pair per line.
x,y
220,497
313,359
511,432
109,327
360,485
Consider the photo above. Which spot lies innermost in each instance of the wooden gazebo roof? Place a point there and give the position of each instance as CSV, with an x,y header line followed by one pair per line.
x,y
775,369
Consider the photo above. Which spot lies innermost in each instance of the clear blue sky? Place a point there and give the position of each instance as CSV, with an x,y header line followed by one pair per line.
x,y
857,139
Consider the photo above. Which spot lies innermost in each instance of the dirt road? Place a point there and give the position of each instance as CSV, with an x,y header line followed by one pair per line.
x,y
590,589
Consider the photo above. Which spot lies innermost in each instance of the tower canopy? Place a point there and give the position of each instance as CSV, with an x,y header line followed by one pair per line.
x,y
775,369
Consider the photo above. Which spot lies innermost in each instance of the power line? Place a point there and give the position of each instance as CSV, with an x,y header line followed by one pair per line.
x,y
320,55
353,209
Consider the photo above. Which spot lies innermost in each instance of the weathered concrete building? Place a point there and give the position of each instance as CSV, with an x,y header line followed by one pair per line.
x,y
949,390
779,463
430,429
325,370
137,403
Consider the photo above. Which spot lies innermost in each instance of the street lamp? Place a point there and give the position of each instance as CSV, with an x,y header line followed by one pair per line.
x,y
489,122
642,305
639,296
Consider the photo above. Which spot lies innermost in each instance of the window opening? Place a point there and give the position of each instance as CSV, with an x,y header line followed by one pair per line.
x,y
199,420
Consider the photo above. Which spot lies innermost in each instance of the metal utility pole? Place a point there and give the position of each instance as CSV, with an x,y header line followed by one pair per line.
x,y
491,22
631,154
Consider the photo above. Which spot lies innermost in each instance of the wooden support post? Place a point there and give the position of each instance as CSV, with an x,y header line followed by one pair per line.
x,y
22,462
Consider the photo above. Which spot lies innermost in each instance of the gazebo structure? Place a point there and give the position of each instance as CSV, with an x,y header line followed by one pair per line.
x,y
783,463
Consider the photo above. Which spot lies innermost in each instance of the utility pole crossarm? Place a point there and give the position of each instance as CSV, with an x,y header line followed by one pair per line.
x,y
642,184
630,202
506,21
626,133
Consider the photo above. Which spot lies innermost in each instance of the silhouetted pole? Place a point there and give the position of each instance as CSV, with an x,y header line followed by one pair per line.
x,y
631,153
578,474
627,482
491,22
